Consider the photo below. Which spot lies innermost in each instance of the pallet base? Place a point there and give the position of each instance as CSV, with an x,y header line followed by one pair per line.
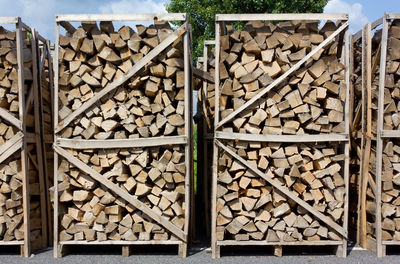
x,y
62,249
340,247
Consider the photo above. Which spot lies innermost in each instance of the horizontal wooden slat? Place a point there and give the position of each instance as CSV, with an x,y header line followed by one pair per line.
x,y
391,242
121,17
209,42
11,243
120,143
282,138
280,243
390,134
251,17
123,242
9,20
392,16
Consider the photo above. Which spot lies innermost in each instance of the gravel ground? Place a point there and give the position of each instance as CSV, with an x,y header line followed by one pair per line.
x,y
229,255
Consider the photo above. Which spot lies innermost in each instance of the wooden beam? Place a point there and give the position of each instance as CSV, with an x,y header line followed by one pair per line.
x,y
122,17
10,118
123,242
9,143
281,138
203,75
326,219
283,243
120,143
280,78
9,20
379,141
67,26
138,66
269,17
123,194
11,150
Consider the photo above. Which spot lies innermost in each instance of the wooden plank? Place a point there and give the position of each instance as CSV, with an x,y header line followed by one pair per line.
x,y
123,242
392,16
9,143
120,143
10,118
123,194
269,17
280,243
9,20
67,26
11,243
363,198
24,157
188,129
203,75
138,66
280,79
281,138
390,134
391,242
327,220
6,154
122,17
379,141
56,253
209,42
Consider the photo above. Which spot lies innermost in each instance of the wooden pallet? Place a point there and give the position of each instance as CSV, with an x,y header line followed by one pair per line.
x,y
223,139
374,136
180,235
26,144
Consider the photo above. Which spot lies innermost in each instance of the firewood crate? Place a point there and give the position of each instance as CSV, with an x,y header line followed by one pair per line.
x,y
376,96
281,131
204,115
23,215
123,144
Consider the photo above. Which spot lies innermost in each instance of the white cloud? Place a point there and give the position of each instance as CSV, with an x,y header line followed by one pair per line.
x,y
356,17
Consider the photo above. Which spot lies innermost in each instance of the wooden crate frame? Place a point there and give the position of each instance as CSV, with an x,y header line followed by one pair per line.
x,y
22,138
368,68
337,137
186,140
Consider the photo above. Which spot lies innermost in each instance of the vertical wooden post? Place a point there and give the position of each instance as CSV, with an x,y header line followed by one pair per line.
x,y
347,143
379,141
57,248
188,130
214,246
24,154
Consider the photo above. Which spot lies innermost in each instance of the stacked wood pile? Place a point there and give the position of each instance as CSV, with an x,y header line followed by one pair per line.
x,y
150,104
12,175
310,101
267,191
251,209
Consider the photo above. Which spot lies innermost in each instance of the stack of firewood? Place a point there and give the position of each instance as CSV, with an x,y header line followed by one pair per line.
x,y
150,104
250,209
310,101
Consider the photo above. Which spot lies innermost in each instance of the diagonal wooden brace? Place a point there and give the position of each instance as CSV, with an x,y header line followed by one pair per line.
x,y
202,75
11,146
283,76
123,194
10,118
286,192
137,67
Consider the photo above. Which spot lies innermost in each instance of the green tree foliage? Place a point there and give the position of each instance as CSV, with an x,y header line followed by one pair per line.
x,y
202,13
